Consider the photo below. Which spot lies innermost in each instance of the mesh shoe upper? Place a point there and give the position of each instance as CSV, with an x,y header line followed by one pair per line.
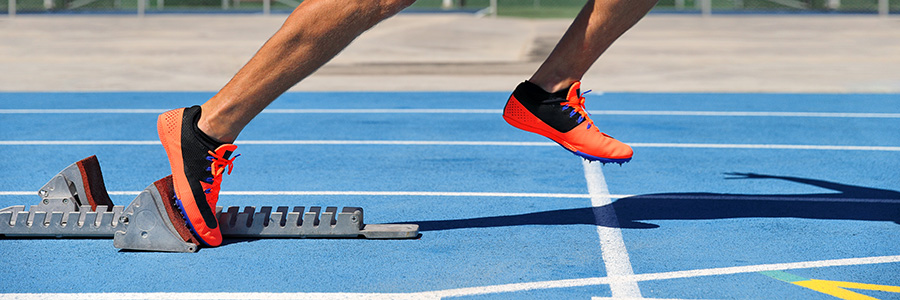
x,y
197,167
561,116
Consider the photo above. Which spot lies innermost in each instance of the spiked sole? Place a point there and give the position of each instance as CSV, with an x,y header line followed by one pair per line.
x,y
188,221
592,158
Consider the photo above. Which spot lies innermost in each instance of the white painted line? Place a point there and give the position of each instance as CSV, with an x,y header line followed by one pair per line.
x,y
475,111
453,143
265,111
84,111
384,142
744,114
675,196
77,143
355,193
612,246
404,193
518,287
482,290
286,142
765,146
385,111
200,296
617,298
789,198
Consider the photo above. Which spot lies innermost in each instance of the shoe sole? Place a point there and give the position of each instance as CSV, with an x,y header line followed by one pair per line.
x,y
188,221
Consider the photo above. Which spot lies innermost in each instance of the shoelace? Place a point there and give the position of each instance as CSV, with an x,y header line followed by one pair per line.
x,y
577,105
217,167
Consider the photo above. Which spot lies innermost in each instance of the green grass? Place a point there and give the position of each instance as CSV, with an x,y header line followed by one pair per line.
x,y
537,12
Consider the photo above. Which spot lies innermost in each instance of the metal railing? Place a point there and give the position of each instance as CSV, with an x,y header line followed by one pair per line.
x,y
142,7
539,8
706,7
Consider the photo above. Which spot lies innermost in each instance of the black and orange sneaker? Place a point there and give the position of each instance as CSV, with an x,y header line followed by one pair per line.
x,y
561,116
198,162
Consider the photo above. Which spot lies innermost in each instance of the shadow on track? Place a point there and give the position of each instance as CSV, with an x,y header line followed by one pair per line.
x,y
850,203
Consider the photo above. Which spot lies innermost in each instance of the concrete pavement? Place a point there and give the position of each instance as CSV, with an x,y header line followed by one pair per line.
x,y
663,53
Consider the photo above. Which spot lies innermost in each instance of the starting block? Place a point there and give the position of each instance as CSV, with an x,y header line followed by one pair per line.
x,y
75,203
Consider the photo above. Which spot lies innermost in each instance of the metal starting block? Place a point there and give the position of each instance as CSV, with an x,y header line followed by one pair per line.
x,y
75,203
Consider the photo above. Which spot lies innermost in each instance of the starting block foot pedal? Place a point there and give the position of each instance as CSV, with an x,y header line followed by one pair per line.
x,y
79,184
151,224
74,203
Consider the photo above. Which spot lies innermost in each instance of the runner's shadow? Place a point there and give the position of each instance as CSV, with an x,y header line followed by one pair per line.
x,y
849,203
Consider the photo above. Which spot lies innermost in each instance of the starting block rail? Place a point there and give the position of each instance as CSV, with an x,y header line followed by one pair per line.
x,y
75,203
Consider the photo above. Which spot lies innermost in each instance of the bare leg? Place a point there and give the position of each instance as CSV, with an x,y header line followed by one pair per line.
x,y
314,33
597,26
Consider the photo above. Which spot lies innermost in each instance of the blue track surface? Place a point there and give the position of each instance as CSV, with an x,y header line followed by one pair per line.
x,y
679,208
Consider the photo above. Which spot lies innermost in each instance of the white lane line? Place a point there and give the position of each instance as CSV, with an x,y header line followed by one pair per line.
x,y
77,143
527,286
766,146
482,290
745,114
357,193
384,111
388,142
84,111
404,193
476,111
288,142
789,198
617,298
612,245
451,143
265,111
722,197
201,296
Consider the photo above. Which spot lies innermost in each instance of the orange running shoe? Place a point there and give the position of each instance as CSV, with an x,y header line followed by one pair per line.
x,y
561,116
198,162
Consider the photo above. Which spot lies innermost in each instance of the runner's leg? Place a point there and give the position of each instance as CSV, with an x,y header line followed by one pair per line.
x,y
314,33
595,28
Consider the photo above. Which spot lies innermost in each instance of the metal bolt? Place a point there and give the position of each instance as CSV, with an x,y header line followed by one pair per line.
x,y
123,219
43,193
144,234
65,200
354,219
46,202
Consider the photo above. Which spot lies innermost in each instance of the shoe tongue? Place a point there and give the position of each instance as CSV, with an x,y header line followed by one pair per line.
x,y
574,91
226,153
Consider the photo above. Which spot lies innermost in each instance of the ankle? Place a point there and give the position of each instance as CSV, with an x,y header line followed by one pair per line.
x,y
211,125
535,94
552,85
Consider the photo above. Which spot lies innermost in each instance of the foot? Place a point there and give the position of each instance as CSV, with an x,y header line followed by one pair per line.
x,y
561,117
198,162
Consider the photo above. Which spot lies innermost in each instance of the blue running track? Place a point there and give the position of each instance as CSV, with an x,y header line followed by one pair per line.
x,y
729,196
